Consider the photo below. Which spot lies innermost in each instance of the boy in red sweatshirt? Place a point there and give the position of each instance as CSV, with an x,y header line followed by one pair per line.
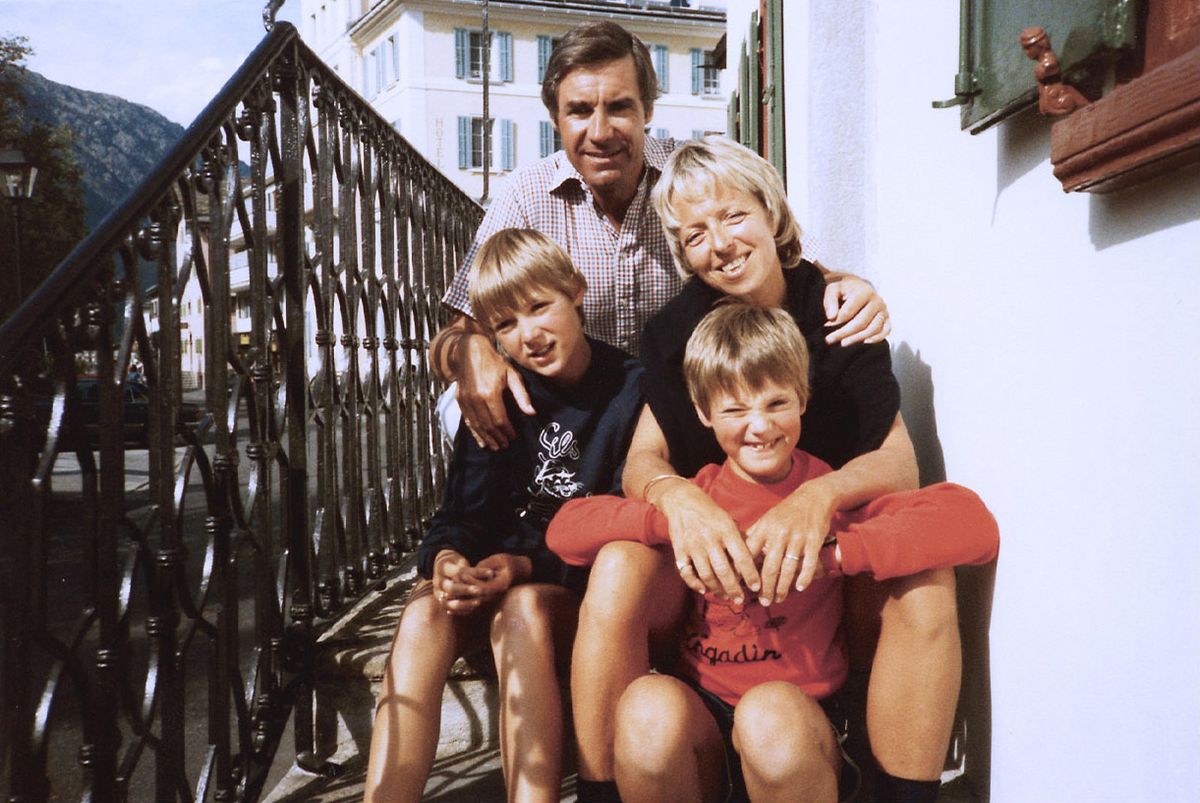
x,y
744,718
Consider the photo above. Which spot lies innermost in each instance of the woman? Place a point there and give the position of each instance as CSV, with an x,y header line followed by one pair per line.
x,y
726,216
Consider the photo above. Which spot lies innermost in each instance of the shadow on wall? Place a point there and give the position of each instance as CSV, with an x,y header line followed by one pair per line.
x,y
1161,203
970,759
1023,143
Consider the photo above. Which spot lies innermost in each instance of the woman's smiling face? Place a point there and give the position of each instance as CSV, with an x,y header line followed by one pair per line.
x,y
729,242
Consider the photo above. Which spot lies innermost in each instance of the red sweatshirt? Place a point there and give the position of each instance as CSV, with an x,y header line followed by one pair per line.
x,y
728,649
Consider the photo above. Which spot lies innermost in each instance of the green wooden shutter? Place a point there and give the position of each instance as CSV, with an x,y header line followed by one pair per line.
x,y
544,46
753,125
776,134
506,57
464,142
697,70
995,78
462,52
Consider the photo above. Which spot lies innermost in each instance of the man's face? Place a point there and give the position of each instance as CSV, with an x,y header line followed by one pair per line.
x,y
603,126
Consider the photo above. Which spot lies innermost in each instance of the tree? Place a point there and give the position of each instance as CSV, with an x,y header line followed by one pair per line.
x,y
52,221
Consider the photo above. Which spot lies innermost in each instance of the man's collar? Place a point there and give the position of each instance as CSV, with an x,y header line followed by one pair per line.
x,y
654,155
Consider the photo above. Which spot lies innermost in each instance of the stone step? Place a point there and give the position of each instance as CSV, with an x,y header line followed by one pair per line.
x,y
353,653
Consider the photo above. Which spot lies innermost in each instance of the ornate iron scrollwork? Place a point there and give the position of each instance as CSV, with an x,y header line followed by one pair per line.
x,y
186,506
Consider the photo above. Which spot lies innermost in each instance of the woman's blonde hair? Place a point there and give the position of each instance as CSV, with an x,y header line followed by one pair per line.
x,y
739,345
511,265
701,168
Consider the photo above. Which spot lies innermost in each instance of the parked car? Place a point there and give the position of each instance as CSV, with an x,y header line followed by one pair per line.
x,y
135,423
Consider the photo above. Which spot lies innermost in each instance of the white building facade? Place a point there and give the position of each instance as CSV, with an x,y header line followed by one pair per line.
x,y
420,65
1045,343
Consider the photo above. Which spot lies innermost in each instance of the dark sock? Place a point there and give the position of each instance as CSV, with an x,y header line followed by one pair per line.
x,y
597,791
890,789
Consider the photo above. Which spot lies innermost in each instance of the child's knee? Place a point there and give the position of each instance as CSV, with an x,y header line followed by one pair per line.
x,y
781,733
526,613
648,716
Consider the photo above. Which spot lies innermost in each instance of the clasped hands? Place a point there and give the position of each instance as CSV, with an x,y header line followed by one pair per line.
x,y
461,588
778,553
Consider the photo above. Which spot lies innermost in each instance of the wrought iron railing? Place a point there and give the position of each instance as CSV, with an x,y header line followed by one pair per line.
x,y
159,606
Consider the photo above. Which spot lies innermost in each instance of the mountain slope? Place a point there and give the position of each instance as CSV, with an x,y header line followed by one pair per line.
x,y
117,142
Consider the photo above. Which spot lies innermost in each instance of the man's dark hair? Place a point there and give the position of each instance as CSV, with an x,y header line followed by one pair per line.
x,y
597,43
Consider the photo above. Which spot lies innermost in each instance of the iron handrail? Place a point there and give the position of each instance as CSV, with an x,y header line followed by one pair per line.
x,y
159,635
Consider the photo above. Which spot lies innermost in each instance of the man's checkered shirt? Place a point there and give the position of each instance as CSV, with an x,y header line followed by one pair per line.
x,y
630,271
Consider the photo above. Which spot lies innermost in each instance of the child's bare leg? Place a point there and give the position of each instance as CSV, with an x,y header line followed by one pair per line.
x,y
787,747
534,623
668,746
915,675
634,590
409,712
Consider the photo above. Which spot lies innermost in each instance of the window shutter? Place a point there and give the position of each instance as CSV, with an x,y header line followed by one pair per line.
x,y
506,57
544,47
661,67
697,69
462,46
995,77
661,133
464,142
395,41
697,133
366,82
507,145
545,138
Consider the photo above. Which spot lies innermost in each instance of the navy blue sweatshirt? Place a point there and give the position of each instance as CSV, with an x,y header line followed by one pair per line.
x,y
502,502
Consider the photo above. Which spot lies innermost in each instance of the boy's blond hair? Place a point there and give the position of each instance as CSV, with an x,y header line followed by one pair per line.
x,y
738,346
701,168
511,265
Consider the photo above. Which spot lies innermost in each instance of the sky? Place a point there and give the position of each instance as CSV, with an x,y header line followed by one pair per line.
x,y
171,55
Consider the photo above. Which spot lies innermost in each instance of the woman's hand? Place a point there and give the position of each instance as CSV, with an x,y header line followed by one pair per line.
x,y
855,312
789,536
483,374
710,552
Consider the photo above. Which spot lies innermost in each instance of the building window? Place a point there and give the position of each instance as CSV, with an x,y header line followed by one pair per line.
x,y
545,45
549,140
468,55
706,76
470,144
381,67
661,67
662,133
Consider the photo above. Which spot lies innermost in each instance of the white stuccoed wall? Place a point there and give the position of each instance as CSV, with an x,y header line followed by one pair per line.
x,y
1047,344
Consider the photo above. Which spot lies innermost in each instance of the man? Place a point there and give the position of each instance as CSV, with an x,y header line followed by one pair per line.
x,y
592,198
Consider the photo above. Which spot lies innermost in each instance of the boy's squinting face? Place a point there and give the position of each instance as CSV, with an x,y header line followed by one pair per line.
x,y
757,429
545,335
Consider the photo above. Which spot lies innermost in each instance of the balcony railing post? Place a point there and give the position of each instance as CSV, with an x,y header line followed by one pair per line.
x,y
293,89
